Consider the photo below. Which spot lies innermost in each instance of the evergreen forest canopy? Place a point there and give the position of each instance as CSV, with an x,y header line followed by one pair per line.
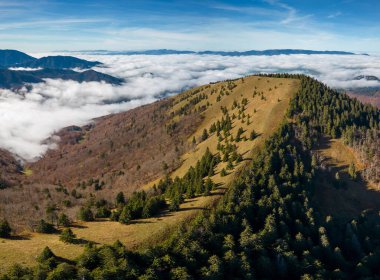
x,y
265,226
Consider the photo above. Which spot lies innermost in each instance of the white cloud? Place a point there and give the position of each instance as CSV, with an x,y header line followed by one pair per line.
x,y
28,118
24,69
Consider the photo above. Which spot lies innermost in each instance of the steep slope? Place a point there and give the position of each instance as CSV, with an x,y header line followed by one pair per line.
x,y
129,152
267,225
112,147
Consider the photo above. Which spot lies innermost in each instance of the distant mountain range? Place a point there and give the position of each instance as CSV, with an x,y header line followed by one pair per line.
x,y
223,53
13,58
60,62
53,67
10,79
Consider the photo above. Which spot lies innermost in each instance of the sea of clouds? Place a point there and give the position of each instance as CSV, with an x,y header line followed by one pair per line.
x,y
29,118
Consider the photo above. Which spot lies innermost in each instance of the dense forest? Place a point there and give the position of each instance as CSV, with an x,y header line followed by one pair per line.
x,y
266,226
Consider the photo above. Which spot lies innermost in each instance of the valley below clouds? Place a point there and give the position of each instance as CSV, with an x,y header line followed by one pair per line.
x,y
28,118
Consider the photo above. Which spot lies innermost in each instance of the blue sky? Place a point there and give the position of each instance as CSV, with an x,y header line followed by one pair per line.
x,y
42,25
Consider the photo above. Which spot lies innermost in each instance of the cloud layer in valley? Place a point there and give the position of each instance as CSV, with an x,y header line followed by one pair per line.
x,y
29,118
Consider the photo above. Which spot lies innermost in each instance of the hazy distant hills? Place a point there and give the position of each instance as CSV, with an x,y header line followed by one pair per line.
x,y
14,79
223,53
53,67
60,62
10,79
13,58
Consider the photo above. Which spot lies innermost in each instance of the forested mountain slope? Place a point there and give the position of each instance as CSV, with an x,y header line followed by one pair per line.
x,y
268,224
189,146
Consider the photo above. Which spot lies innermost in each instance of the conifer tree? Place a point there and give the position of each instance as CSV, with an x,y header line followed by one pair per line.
x,y
67,236
63,220
204,135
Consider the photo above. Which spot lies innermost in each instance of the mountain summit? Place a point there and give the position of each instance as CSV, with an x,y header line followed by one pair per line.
x,y
14,58
60,62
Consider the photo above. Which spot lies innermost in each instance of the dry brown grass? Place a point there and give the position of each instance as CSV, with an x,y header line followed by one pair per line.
x,y
140,234
269,114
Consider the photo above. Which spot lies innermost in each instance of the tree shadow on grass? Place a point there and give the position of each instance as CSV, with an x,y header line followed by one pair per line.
x,y
191,208
81,241
140,221
18,237
78,226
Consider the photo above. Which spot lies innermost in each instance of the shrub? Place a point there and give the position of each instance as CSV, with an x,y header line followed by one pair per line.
x,y
63,271
115,215
17,271
67,203
85,214
45,227
63,220
125,215
223,172
5,229
120,199
103,212
153,206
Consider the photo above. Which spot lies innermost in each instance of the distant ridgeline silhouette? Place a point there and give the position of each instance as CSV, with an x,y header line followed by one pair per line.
x,y
52,67
223,53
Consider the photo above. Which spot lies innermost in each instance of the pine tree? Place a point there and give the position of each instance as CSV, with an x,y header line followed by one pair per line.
x,y
120,199
239,134
45,227
67,236
63,220
209,185
253,135
45,255
204,135
223,172
230,165
174,204
85,214
125,215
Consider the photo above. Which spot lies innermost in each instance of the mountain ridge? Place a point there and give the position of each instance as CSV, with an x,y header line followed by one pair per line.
x,y
12,79
14,58
60,62
269,52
